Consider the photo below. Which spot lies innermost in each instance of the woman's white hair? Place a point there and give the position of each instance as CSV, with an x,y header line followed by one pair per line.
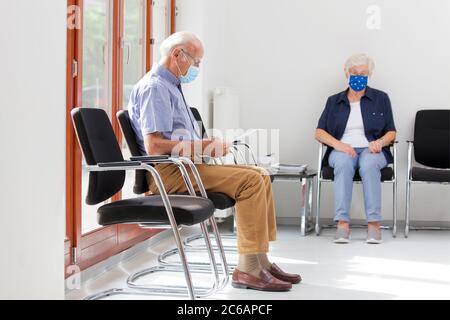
x,y
359,60
178,39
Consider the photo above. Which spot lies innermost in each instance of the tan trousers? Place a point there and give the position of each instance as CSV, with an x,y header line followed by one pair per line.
x,y
249,186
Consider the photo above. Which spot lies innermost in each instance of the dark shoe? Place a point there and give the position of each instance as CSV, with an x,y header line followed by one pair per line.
x,y
284,276
265,282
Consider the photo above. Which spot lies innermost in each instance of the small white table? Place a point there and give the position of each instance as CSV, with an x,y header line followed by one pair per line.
x,y
306,179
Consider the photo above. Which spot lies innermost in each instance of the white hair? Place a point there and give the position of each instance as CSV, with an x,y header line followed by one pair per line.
x,y
359,60
178,39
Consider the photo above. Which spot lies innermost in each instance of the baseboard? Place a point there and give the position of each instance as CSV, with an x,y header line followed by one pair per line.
x,y
295,221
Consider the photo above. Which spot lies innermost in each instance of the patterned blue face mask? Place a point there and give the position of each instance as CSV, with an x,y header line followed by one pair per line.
x,y
358,83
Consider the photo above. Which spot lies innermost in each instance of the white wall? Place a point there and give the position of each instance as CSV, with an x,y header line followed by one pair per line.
x,y
32,135
207,20
286,57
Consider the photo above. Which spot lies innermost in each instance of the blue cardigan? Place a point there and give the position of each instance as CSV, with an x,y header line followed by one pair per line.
x,y
376,113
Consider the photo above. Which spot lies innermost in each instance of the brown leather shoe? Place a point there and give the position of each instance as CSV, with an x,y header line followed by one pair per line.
x,y
284,276
265,282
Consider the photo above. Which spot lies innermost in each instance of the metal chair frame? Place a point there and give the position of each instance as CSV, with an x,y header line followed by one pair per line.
x,y
393,181
409,183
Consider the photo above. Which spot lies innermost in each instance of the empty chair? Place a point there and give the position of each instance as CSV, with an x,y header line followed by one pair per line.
x,y
431,148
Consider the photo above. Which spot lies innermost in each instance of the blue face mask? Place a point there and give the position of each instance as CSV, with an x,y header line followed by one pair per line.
x,y
358,83
191,75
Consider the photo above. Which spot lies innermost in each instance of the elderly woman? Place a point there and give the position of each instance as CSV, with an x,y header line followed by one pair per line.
x,y
357,125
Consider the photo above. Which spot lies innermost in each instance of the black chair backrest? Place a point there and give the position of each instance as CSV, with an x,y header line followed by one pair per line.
x,y
140,181
98,143
432,138
198,118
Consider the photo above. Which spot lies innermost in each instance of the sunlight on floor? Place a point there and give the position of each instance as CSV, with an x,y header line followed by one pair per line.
x,y
401,278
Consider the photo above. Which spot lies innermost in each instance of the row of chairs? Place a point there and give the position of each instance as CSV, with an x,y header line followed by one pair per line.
x,y
107,167
431,147
107,175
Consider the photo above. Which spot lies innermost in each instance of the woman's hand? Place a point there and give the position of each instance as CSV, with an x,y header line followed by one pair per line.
x,y
346,148
376,146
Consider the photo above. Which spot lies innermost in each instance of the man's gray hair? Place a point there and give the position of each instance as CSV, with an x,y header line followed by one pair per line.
x,y
359,60
178,39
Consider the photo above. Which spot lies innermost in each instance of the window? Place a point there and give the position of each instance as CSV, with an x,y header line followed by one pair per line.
x,y
109,51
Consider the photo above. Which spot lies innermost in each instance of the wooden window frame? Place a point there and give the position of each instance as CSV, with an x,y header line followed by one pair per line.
x,y
85,250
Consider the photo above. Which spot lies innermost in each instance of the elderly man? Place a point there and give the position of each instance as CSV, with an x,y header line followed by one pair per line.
x,y
358,126
164,124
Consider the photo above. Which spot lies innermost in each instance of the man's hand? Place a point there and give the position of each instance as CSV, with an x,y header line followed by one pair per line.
x,y
346,148
376,146
217,148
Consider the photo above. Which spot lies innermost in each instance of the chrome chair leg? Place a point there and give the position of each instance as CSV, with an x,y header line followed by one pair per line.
x,y
228,248
319,175
394,218
318,206
200,292
162,290
212,221
188,243
197,265
408,207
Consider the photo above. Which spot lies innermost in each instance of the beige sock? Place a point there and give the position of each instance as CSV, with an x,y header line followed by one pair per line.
x,y
249,263
264,261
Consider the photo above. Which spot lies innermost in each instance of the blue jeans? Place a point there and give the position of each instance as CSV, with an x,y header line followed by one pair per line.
x,y
369,165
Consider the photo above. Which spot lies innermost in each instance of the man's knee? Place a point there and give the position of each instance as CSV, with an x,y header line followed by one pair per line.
x,y
253,178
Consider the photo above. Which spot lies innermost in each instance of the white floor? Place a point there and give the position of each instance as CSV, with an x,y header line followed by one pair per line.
x,y
413,268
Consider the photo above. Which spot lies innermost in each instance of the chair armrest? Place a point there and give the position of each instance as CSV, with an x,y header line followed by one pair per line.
x,y
169,159
149,158
134,165
119,164
393,143
115,166
240,143
320,158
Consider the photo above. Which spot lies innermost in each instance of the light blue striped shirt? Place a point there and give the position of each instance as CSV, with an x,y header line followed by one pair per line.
x,y
157,104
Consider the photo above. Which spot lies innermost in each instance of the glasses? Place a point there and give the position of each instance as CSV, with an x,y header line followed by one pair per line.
x,y
196,61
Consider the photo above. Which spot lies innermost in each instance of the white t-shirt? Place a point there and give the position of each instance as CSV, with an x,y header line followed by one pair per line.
x,y
354,131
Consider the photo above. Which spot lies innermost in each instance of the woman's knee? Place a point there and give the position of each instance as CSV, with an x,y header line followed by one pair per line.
x,y
342,162
371,163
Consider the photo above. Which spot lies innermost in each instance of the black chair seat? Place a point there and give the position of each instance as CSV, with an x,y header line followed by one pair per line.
x,y
430,175
220,200
186,209
386,174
